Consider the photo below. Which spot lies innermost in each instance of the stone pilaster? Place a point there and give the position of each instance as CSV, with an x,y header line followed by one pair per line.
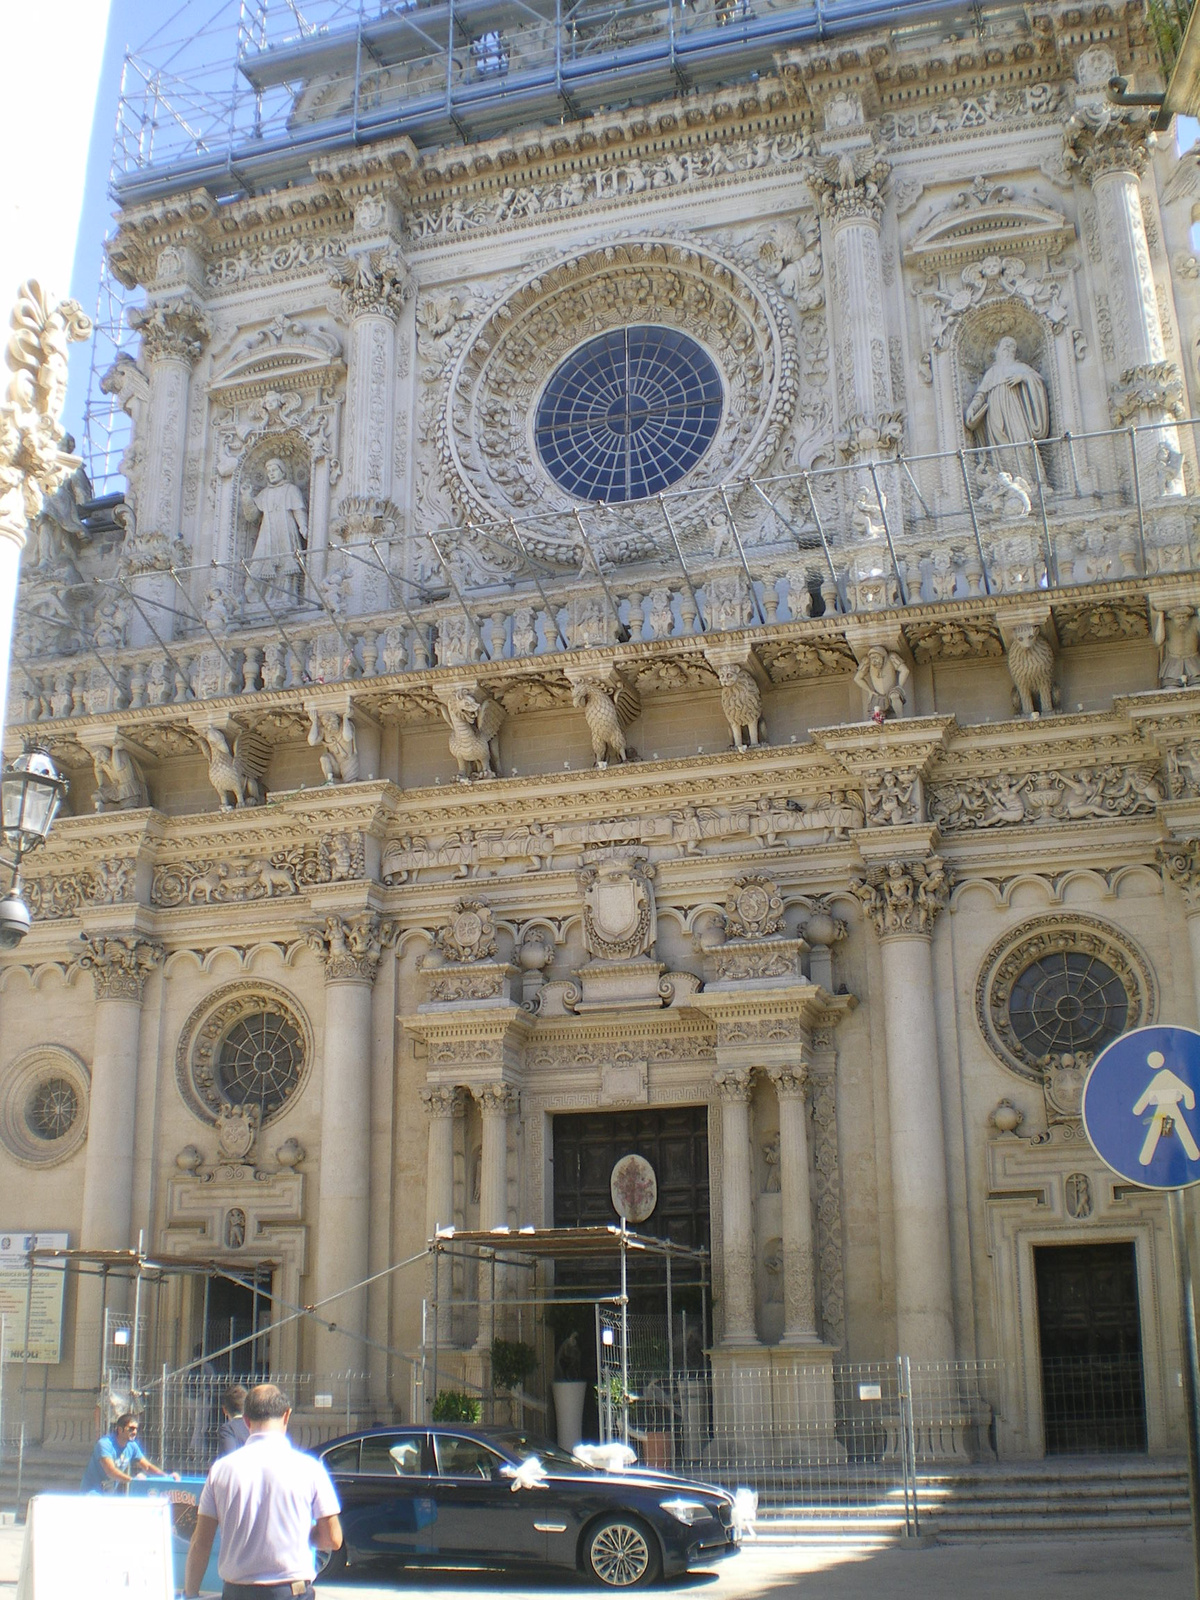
x,y
174,334
375,288
442,1105
732,1086
119,964
799,1286
1180,862
350,948
497,1102
902,899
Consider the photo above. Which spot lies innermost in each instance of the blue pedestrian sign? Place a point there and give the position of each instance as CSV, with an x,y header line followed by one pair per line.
x,y
1140,1107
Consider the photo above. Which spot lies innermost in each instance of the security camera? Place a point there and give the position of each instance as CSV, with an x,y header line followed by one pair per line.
x,y
15,921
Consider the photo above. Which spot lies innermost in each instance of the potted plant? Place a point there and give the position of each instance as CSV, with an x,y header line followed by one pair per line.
x,y
570,1391
512,1363
453,1405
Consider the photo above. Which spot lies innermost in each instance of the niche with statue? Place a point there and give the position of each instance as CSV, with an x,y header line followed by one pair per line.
x,y
273,496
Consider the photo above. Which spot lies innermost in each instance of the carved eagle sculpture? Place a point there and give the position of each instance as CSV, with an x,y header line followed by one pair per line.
x,y
742,705
1031,666
609,709
238,774
475,723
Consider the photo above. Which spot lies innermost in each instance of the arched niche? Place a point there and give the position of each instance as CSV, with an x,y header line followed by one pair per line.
x,y
973,351
292,451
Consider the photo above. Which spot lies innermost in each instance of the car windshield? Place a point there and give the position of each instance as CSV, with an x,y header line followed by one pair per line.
x,y
524,1445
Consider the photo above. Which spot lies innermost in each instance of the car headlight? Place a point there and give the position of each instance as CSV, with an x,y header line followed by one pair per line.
x,y
687,1511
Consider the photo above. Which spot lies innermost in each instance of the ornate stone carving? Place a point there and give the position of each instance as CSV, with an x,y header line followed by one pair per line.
x,y
441,1102
893,798
488,981
281,511
475,721
790,1081
1180,860
1010,409
1031,666
753,908
375,284
175,330
619,921
1177,635
1156,387
733,1083
904,897
237,773
469,934
770,1155
120,964
1183,769
496,1099
741,703
120,785
883,677
210,1024
609,705
339,757
351,947
1063,1075
850,184
111,881
1102,138
1102,793
237,1129
746,961
874,434
331,858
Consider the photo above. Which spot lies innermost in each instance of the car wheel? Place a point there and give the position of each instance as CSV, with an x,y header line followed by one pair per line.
x,y
621,1553
331,1564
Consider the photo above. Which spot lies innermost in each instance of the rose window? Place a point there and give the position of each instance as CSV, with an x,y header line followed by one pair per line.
x,y
260,1061
1067,1001
628,414
52,1109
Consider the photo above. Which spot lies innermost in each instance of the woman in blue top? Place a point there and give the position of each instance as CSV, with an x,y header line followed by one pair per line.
x,y
117,1459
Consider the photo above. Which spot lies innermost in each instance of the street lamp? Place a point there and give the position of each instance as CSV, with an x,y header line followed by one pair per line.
x,y
31,791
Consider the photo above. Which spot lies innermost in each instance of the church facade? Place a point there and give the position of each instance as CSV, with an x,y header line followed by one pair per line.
x,y
674,629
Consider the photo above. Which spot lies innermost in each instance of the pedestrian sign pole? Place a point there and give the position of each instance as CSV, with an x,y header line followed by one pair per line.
x,y
1140,1115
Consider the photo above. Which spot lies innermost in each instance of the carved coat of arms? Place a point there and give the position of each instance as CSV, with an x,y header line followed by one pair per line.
x,y
619,921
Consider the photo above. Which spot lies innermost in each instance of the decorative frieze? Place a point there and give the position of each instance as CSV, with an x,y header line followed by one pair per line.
x,y
110,882
1102,793
120,963
330,858
903,898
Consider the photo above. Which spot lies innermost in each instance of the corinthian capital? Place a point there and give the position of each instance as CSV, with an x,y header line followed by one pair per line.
x,y
1180,860
177,330
377,284
496,1099
850,184
791,1081
733,1084
119,963
441,1102
351,947
904,897
1102,139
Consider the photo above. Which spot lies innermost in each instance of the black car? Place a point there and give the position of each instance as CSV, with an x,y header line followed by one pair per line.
x,y
494,1496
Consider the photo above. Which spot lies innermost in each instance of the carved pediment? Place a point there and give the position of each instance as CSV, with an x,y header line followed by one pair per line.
x,y
987,219
284,353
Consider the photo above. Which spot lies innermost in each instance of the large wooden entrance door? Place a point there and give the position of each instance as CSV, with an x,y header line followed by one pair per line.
x,y
1093,1398
675,1142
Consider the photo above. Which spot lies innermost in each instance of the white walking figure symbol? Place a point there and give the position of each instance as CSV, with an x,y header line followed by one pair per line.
x,y
1165,1092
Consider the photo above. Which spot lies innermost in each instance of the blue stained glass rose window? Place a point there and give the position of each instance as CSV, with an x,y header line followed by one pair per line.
x,y
628,414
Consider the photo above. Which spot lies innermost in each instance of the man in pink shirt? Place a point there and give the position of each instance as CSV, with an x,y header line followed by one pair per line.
x,y
272,1504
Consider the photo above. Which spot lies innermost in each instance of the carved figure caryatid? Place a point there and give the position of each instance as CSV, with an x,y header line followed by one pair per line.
x,y
283,525
119,784
339,758
475,722
1031,667
1177,635
238,774
742,704
882,676
1010,412
609,707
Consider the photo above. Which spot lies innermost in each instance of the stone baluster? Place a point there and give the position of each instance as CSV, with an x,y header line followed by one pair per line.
x,y
903,899
174,334
375,288
799,1282
732,1085
350,948
1180,860
119,964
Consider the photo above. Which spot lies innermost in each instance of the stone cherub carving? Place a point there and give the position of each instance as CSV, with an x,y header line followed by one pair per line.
x,y
1010,409
1031,666
883,676
119,783
742,704
1177,635
475,722
283,525
609,708
339,758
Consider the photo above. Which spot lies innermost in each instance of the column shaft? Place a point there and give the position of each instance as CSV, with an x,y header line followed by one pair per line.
x,y
737,1233
372,405
1137,328
799,1281
1193,927
863,352
439,1171
167,425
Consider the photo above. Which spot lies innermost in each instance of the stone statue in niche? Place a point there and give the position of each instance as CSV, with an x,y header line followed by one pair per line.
x,y
882,677
1010,409
770,1155
282,515
235,1228
1177,635
119,784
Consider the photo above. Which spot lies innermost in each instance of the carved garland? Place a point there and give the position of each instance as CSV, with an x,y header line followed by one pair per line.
x,y
1072,932
210,1024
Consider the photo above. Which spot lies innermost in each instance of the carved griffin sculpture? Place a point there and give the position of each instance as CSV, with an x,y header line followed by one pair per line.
x,y
609,709
742,705
475,722
237,775
1031,666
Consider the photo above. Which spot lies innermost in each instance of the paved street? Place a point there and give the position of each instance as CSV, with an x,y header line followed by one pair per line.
x,y
1155,1568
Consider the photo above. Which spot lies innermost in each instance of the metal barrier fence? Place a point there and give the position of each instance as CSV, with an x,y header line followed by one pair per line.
x,y
1093,1405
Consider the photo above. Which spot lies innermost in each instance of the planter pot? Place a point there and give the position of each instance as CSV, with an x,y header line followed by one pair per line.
x,y
568,1410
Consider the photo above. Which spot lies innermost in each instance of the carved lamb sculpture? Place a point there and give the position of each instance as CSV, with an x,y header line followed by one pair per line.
x,y
1031,664
742,705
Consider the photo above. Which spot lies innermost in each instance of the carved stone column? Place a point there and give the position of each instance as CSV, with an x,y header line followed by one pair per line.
x,y
351,948
374,289
173,337
496,1102
903,899
733,1090
440,1107
120,965
799,1286
1180,860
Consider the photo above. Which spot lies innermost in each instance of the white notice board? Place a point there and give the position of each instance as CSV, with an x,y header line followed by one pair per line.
x,y
45,1299
99,1545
